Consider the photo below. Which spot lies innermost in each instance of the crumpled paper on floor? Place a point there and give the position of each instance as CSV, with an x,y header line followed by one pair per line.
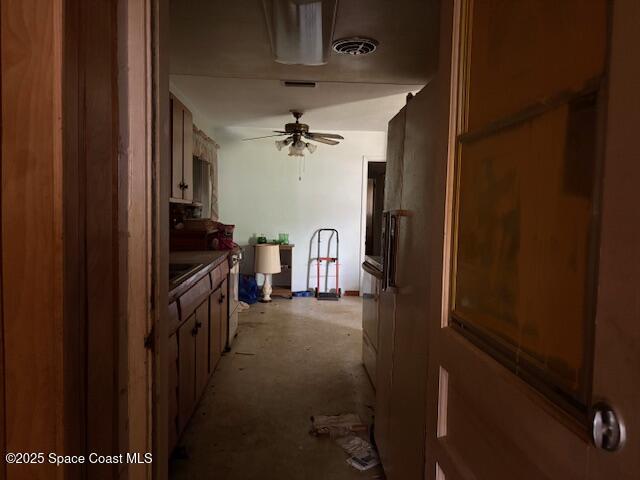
x,y
344,429
337,425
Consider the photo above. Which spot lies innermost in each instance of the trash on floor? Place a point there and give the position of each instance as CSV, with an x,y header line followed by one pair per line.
x,y
345,430
303,293
363,455
248,289
337,425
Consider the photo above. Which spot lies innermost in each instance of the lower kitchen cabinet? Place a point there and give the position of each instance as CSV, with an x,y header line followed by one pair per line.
x,y
224,314
193,362
202,348
215,320
173,390
186,371
196,344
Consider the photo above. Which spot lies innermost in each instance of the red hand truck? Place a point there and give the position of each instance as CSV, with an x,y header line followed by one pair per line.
x,y
335,296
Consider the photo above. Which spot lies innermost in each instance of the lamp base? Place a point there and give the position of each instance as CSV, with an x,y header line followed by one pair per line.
x,y
266,289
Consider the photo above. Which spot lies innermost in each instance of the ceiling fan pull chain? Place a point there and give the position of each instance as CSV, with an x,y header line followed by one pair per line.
x,y
301,165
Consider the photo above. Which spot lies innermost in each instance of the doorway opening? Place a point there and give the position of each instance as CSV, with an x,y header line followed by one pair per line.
x,y
267,147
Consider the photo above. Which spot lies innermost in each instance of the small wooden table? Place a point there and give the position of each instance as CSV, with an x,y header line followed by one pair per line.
x,y
283,281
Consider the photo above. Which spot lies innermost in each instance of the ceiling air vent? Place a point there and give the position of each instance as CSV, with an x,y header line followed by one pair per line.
x,y
298,83
355,46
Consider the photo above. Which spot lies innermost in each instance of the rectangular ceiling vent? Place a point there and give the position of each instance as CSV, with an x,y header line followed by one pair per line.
x,y
299,84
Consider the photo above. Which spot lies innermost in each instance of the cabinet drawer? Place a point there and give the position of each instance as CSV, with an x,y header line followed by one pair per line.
x,y
194,297
219,274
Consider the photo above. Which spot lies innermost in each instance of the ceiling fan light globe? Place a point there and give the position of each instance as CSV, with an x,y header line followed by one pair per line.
x,y
296,151
280,144
311,147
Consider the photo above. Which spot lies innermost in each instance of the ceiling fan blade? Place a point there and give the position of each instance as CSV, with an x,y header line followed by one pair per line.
x,y
266,136
326,135
326,141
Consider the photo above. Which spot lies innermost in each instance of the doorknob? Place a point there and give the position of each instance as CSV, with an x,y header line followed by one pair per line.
x,y
608,429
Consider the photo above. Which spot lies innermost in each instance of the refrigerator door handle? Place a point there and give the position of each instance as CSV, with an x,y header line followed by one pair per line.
x,y
390,242
385,250
393,251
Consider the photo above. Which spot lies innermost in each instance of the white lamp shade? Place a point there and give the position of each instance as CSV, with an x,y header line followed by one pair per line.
x,y
267,259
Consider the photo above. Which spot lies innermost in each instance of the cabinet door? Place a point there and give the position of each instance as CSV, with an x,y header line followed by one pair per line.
x,y
186,370
173,391
224,314
187,154
177,150
202,347
214,330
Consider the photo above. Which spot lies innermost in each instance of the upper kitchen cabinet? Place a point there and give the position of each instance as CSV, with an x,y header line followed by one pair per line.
x,y
181,152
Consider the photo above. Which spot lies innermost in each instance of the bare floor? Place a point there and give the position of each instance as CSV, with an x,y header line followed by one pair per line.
x,y
292,359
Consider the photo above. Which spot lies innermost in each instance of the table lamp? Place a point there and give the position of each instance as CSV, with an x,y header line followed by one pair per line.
x,y
267,262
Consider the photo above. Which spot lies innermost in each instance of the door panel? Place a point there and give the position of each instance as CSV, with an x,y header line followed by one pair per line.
x,y
224,314
187,155
173,390
177,128
556,277
617,339
214,330
186,371
523,53
523,247
494,424
202,348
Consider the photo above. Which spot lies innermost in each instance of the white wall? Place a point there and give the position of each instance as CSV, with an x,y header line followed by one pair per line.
x,y
260,192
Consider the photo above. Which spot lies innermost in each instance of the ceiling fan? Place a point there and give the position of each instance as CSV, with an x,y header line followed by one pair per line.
x,y
297,132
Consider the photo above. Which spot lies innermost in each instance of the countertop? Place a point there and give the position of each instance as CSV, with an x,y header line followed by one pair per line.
x,y
210,259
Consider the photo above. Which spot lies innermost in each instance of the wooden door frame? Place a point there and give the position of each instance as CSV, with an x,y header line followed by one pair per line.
x,y
160,185
145,175
144,321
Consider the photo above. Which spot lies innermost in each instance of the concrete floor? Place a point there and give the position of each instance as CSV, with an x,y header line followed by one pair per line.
x,y
292,359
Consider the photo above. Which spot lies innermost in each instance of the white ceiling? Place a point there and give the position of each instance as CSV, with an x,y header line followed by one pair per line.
x,y
221,60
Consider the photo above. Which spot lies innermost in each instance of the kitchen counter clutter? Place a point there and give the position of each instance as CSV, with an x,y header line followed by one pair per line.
x,y
199,314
